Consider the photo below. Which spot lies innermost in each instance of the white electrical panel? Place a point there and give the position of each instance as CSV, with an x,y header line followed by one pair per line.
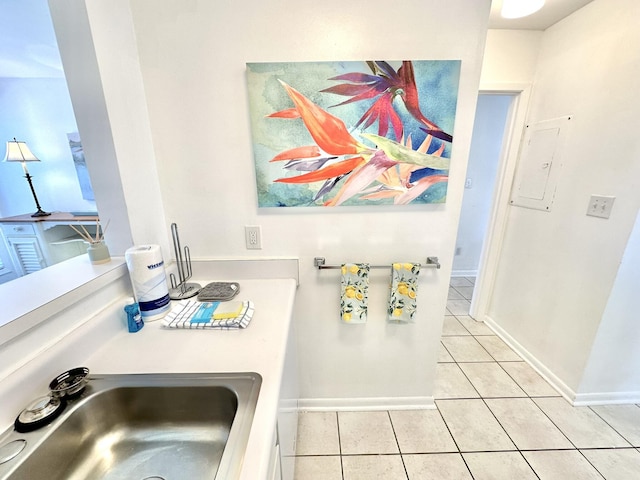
x,y
539,164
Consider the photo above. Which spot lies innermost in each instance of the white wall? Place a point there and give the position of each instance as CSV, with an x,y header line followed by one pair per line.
x,y
510,57
35,107
193,56
486,148
558,268
38,111
612,370
97,46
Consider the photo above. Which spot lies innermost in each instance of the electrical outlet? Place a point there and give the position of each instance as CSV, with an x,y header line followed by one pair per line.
x,y
600,206
253,237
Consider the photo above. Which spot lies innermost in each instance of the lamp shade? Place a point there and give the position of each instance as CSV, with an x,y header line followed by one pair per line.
x,y
19,152
520,8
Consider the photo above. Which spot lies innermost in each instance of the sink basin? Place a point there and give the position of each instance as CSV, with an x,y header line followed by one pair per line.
x,y
144,427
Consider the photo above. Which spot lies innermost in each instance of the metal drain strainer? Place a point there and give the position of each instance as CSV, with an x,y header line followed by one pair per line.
x,y
39,413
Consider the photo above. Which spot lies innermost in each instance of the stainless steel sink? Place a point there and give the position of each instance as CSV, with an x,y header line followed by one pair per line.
x,y
135,427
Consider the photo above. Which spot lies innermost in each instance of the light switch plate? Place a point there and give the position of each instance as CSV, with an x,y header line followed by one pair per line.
x,y
600,206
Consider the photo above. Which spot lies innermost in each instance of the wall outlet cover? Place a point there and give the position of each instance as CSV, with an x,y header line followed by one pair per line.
x,y
253,237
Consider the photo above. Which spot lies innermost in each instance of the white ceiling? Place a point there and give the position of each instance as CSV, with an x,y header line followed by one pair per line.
x,y
552,12
28,46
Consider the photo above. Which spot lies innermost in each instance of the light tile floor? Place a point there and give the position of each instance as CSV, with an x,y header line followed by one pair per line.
x,y
496,419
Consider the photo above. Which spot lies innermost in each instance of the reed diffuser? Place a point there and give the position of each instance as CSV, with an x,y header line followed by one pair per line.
x,y
97,250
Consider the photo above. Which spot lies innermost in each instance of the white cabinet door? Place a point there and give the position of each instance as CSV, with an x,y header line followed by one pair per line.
x,y
27,253
274,469
7,269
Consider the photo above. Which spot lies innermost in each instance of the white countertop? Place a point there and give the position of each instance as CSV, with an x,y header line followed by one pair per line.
x,y
259,348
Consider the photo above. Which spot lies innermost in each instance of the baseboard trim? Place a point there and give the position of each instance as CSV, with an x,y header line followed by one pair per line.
x,y
607,398
464,273
575,399
366,404
562,388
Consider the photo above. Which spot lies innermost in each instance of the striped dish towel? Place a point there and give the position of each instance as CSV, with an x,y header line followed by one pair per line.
x,y
181,314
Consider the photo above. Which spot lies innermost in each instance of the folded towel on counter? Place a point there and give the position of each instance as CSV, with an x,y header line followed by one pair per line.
x,y
404,291
192,314
354,284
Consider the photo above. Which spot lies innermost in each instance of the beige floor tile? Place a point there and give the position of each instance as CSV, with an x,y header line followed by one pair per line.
x,y
421,431
459,307
499,350
474,327
624,418
317,434
473,426
466,292
581,425
452,383
529,380
561,465
443,355
620,464
442,466
528,427
466,349
454,294
366,433
451,326
460,282
318,468
490,380
498,466
471,280
370,467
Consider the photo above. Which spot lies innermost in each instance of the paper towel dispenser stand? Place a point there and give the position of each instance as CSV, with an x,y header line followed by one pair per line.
x,y
182,289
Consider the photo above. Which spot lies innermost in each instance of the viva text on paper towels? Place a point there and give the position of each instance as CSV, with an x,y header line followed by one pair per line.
x,y
146,269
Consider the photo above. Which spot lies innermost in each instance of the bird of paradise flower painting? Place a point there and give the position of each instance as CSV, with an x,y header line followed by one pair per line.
x,y
352,133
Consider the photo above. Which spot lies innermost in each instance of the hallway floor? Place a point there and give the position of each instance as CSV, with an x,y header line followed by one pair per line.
x,y
496,418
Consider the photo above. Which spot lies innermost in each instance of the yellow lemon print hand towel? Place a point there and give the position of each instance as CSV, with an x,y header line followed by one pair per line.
x,y
354,292
404,291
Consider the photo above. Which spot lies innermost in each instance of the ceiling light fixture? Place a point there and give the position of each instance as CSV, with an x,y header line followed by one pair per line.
x,y
520,8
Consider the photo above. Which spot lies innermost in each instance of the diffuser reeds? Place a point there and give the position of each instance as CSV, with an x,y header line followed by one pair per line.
x,y
87,237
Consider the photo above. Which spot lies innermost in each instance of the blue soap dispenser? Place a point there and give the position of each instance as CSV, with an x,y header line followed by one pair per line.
x,y
134,319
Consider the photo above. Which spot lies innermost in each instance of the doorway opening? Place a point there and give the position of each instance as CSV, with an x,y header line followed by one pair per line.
x,y
488,176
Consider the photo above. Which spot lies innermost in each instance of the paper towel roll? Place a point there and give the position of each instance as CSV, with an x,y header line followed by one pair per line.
x,y
146,270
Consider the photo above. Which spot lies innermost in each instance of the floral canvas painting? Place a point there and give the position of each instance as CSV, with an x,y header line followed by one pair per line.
x,y
352,133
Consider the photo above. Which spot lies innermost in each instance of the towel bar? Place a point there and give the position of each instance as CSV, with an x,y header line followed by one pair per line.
x,y
319,263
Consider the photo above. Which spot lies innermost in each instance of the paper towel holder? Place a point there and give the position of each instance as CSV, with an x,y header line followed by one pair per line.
x,y
182,289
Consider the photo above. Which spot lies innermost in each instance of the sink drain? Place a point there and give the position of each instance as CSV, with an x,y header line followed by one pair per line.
x,y
154,477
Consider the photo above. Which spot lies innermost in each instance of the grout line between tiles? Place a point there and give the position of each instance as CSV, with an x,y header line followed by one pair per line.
x,y
339,446
613,428
530,466
393,429
554,424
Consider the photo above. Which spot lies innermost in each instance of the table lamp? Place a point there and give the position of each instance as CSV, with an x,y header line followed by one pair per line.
x,y
19,152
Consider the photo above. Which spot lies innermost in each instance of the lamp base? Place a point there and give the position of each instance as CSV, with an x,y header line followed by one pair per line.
x,y
40,213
